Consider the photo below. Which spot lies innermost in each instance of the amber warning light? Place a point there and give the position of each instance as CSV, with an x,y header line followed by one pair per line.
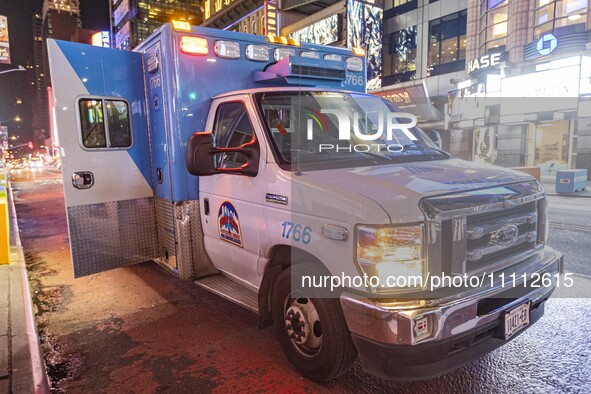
x,y
181,25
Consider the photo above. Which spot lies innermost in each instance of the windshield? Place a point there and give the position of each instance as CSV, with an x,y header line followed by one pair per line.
x,y
320,130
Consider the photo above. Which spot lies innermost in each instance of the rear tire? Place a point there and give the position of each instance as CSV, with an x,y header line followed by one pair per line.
x,y
312,331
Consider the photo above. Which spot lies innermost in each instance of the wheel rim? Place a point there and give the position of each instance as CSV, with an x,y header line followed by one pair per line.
x,y
302,325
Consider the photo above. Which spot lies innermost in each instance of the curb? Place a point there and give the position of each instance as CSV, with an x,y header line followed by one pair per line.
x,y
38,370
567,195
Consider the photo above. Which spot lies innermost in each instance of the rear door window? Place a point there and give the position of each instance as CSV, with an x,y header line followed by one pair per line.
x,y
104,123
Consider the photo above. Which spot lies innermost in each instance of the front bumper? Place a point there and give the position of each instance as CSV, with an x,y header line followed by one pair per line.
x,y
465,325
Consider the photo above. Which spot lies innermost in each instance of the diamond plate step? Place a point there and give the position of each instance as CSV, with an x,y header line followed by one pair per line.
x,y
230,290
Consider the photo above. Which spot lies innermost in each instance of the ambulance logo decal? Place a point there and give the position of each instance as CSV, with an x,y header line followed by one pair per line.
x,y
229,224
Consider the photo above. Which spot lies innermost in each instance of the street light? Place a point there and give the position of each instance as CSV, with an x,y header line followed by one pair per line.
x,y
20,68
16,119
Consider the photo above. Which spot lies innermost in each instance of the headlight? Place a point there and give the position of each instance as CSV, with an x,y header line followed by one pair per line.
x,y
393,254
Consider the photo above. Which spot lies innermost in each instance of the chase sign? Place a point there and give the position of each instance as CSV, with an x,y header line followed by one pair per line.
x,y
486,62
547,44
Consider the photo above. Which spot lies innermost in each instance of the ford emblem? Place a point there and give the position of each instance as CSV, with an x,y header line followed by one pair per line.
x,y
505,236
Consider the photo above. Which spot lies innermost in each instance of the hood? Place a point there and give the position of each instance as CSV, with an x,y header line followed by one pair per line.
x,y
398,188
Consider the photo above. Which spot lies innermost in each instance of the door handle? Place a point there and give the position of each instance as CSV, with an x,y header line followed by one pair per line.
x,y
206,205
159,175
83,180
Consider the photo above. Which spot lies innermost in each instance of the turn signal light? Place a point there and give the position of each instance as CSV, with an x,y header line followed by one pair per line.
x,y
194,45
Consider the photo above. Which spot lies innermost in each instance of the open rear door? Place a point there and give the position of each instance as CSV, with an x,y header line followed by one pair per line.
x,y
101,122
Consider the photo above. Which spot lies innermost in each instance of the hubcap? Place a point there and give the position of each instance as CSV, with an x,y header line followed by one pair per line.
x,y
303,326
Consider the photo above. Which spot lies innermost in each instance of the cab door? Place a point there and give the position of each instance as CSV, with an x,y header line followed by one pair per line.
x,y
100,118
231,204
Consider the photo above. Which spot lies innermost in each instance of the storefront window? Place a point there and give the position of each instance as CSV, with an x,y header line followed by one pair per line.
x,y
559,16
493,25
400,54
552,148
447,44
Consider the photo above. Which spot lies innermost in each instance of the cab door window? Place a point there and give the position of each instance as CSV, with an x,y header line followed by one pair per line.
x,y
232,128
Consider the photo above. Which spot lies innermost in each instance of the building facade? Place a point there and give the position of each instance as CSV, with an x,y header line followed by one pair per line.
x,y
132,21
423,52
59,19
526,97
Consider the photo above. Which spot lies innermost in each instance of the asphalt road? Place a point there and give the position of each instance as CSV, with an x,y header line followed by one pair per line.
x,y
570,229
139,329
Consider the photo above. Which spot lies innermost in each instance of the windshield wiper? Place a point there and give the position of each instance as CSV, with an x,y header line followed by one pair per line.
x,y
423,147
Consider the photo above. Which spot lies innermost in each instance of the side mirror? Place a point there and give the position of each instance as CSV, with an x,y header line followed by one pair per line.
x,y
435,137
201,154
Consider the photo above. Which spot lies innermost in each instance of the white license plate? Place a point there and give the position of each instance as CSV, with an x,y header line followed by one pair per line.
x,y
516,320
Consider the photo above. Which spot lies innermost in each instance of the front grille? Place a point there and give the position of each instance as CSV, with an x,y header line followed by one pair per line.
x,y
484,230
310,71
493,237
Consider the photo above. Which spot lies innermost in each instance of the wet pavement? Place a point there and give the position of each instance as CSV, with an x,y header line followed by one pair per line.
x,y
570,230
141,329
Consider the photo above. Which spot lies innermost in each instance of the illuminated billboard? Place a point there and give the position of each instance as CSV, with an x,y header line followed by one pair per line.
x,y
101,39
214,7
120,12
4,41
271,17
324,32
365,30
122,36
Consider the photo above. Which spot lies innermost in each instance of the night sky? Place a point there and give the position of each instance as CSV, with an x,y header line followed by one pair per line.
x,y
94,15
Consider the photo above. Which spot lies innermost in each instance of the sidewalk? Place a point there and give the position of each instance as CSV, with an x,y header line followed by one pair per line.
x,y
22,369
549,183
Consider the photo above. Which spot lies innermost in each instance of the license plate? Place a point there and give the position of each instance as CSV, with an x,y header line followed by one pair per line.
x,y
516,320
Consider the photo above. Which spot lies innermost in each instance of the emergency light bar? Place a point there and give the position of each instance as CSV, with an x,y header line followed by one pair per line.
x,y
260,53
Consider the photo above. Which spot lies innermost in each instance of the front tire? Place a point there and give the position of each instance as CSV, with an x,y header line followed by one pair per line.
x,y
312,331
